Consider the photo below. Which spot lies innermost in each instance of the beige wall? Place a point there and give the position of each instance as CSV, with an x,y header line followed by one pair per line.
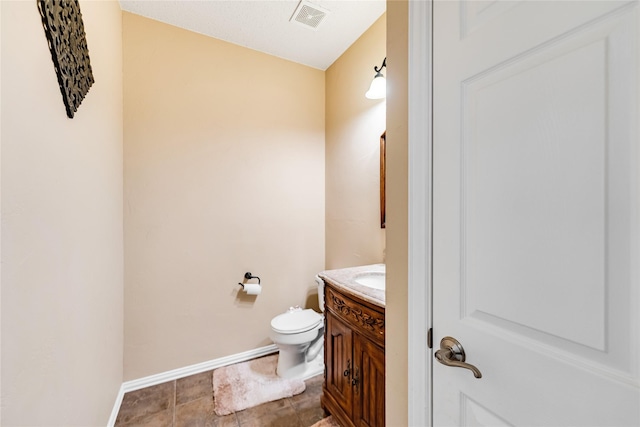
x,y
353,128
62,245
397,213
224,173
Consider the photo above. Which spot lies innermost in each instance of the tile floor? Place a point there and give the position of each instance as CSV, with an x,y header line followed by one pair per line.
x,y
188,402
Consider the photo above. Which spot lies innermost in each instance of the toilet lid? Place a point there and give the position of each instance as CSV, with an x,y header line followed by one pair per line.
x,y
296,321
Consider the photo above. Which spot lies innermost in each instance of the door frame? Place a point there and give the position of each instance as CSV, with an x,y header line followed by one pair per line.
x,y
420,144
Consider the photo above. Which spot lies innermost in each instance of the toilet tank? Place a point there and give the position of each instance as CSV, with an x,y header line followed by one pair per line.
x,y
320,283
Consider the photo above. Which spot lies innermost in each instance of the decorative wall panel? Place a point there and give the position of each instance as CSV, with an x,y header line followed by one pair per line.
x,y
64,29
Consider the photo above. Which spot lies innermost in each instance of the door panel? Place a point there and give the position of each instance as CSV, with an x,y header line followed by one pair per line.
x,y
536,189
476,14
474,414
516,127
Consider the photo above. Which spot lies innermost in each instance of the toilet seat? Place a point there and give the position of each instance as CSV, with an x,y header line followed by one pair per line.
x,y
296,321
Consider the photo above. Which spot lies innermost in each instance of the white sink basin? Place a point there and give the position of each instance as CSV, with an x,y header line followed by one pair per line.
x,y
371,279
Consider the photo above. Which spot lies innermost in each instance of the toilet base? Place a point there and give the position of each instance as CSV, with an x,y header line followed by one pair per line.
x,y
292,364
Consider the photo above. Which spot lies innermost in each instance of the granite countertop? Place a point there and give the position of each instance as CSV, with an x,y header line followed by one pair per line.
x,y
344,279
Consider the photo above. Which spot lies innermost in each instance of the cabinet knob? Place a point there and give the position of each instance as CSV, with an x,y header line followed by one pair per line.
x,y
356,378
347,372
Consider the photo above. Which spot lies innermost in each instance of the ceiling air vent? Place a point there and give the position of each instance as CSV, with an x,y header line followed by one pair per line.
x,y
309,15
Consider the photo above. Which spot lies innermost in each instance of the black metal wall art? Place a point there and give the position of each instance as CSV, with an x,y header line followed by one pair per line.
x,y
62,22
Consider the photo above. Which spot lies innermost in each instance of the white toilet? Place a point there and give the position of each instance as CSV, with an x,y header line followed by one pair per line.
x,y
299,335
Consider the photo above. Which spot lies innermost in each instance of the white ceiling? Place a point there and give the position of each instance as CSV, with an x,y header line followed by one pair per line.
x,y
264,25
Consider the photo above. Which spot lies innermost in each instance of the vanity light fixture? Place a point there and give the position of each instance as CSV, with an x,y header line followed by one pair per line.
x,y
378,88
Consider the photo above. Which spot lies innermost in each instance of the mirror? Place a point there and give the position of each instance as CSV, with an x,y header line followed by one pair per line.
x,y
383,169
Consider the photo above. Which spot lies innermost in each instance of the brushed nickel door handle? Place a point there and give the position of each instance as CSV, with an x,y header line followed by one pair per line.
x,y
451,353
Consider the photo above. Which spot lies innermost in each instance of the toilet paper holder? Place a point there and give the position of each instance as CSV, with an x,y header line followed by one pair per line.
x,y
249,276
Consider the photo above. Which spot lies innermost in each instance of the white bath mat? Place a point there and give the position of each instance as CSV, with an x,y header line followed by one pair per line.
x,y
326,422
247,384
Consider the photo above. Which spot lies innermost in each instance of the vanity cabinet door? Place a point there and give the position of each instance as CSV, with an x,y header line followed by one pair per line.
x,y
368,390
339,363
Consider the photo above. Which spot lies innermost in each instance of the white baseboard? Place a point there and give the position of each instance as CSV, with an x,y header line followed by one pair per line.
x,y
185,372
116,408
197,368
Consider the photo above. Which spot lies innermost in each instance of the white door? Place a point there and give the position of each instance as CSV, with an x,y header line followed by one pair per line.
x,y
536,220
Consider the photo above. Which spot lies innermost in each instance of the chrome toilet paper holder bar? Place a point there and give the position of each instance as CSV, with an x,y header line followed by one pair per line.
x,y
249,276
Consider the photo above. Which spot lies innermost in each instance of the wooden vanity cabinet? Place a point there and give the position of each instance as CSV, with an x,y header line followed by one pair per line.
x,y
353,390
